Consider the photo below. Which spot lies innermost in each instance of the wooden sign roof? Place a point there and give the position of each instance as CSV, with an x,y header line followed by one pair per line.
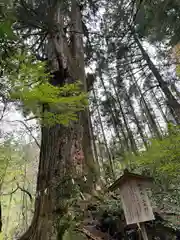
x,y
129,176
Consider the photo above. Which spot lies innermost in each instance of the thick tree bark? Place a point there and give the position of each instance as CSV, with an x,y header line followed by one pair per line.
x,y
54,158
91,168
59,144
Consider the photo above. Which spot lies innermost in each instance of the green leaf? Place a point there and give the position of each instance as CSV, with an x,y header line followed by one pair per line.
x,y
28,83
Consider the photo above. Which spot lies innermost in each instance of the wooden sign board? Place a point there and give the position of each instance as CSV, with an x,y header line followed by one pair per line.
x,y
136,204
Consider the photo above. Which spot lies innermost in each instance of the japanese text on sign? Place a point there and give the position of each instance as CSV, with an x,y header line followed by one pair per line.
x,y
135,202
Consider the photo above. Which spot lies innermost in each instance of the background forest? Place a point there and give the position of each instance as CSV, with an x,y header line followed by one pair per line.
x,y
87,89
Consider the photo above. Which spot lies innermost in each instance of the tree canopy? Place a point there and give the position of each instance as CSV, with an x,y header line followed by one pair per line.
x,y
88,88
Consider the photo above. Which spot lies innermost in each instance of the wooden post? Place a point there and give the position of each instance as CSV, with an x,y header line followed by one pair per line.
x,y
143,231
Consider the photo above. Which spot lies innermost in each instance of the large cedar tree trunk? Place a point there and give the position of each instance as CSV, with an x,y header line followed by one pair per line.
x,y
54,157
57,165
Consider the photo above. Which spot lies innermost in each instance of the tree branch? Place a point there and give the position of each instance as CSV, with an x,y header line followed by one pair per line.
x,y
3,111
22,189
150,89
25,125
26,191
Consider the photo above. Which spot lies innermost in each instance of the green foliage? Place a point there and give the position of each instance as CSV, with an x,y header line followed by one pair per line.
x,y
159,20
73,235
1,236
28,83
11,172
6,21
163,156
6,30
8,158
177,57
7,36
162,162
16,206
178,70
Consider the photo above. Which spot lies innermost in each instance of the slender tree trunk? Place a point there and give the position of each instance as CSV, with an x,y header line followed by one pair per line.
x,y
104,137
159,106
100,153
171,100
174,88
150,119
1,184
154,117
94,145
168,109
115,119
129,132
136,120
